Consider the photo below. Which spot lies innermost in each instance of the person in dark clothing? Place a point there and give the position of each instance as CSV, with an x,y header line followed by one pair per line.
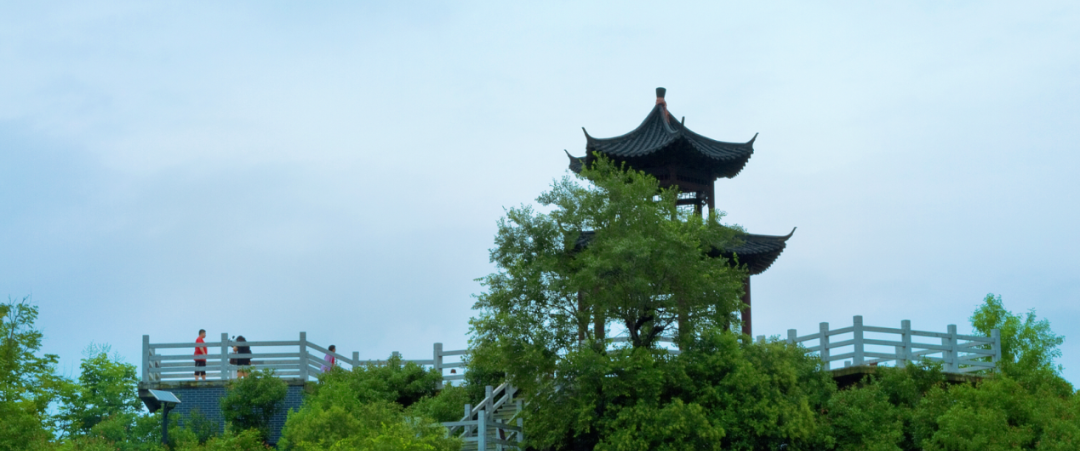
x,y
245,361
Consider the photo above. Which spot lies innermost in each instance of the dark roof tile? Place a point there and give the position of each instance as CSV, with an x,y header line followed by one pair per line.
x,y
658,133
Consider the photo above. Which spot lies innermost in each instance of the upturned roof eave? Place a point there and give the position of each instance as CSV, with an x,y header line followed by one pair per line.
x,y
666,134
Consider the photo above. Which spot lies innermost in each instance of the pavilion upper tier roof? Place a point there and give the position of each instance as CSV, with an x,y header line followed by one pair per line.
x,y
660,140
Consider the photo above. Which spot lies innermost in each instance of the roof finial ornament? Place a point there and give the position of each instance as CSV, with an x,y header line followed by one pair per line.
x,y
660,101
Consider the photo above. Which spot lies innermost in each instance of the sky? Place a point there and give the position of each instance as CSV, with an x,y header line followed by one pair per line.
x,y
265,168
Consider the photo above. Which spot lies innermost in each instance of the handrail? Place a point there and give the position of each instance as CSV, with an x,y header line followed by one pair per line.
x,y
959,353
477,424
301,362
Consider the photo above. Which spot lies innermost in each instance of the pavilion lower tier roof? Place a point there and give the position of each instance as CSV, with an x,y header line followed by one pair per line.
x,y
756,252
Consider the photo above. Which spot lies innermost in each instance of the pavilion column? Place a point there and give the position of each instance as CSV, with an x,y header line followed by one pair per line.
x,y
710,200
599,322
684,323
583,328
747,328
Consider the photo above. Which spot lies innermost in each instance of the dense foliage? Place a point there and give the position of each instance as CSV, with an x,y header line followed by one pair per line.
x,y
252,401
107,387
28,381
718,394
649,270
639,274
646,270
390,407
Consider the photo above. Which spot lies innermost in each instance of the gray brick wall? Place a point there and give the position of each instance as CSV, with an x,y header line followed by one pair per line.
x,y
206,397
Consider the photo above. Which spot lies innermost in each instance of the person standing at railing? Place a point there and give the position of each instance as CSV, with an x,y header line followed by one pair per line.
x,y
242,362
330,360
200,350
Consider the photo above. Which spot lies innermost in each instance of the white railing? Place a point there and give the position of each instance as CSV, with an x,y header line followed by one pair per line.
x,y
482,425
871,345
298,360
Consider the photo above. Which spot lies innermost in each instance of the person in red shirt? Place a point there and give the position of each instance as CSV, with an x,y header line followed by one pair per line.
x,y
198,352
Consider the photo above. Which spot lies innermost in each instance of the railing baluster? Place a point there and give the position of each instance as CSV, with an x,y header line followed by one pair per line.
x,y
857,332
521,433
224,356
436,362
481,442
951,363
303,357
468,417
904,350
823,343
488,391
146,358
995,346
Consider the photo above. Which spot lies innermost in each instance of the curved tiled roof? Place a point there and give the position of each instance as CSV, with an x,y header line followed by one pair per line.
x,y
658,133
757,252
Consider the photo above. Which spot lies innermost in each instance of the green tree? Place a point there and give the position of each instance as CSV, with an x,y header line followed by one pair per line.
x,y
648,268
864,419
396,406
1025,406
338,420
252,401
397,381
718,393
28,382
1028,346
130,431
444,406
107,387
249,440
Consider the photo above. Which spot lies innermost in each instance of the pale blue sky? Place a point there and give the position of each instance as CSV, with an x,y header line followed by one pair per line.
x,y
262,168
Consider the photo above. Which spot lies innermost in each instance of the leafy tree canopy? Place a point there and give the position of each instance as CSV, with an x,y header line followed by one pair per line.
x,y
252,401
1028,346
646,269
107,386
395,406
28,381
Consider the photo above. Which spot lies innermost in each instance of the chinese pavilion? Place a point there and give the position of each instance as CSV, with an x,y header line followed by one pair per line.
x,y
678,157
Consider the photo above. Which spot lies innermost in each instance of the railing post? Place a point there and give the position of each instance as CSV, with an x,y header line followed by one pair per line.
x,y
355,359
951,364
520,423
823,342
146,358
481,442
761,339
436,362
903,352
792,336
467,417
488,392
303,357
996,347
224,356
858,359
